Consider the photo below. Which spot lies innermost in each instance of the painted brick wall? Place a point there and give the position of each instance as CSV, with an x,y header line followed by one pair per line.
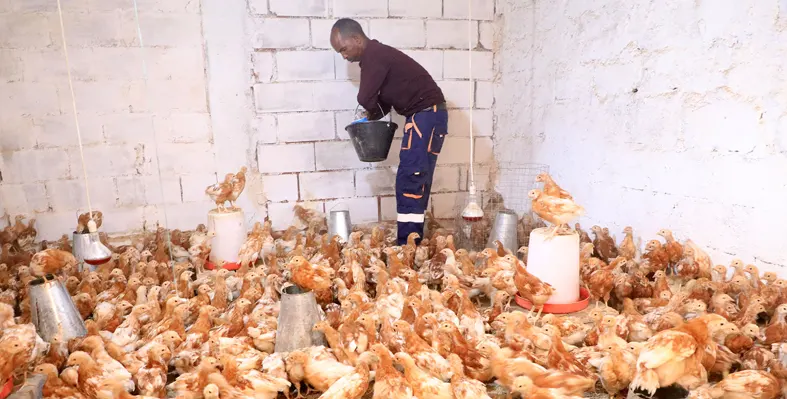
x,y
654,115
121,116
304,96
235,84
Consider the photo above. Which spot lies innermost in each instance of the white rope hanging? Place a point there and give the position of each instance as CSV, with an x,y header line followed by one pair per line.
x,y
74,105
471,185
155,137
76,118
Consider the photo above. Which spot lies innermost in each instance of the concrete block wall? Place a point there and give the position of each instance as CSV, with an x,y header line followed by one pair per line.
x,y
123,118
305,94
654,115
252,84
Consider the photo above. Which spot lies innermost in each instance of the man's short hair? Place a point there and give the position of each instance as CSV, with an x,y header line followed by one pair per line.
x,y
348,27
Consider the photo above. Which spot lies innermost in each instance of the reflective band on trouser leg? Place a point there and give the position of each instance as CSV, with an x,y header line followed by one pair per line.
x,y
410,218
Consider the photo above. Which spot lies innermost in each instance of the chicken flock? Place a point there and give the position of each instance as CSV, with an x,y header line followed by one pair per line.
x,y
424,320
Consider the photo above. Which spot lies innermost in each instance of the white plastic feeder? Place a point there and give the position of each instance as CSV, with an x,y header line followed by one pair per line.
x,y
228,230
556,261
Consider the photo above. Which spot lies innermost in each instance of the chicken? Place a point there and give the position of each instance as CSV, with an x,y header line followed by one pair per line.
x,y
752,384
321,369
425,356
532,288
51,261
96,347
604,245
655,256
309,276
83,219
677,355
673,247
463,387
555,210
353,385
525,387
627,248
221,192
777,330
197,380
91,376
601,282
572,330
388,382
152,378
742,341
425,386
551,188
250,250
54,387
616,369
237,183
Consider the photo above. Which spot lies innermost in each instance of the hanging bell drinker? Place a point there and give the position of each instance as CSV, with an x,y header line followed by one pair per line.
x,y
53,312
89,249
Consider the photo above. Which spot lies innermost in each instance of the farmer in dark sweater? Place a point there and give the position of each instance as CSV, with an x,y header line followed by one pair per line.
x,y
391,79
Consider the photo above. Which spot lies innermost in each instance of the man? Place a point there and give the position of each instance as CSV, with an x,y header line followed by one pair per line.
x,y
391,79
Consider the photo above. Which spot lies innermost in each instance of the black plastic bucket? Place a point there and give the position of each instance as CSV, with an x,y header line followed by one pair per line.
x,y
372,140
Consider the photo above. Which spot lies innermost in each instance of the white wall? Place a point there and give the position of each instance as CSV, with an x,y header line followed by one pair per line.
x,y
656,114
231,84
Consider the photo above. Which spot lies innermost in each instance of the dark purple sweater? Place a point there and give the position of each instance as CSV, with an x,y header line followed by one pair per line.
x,y
392,79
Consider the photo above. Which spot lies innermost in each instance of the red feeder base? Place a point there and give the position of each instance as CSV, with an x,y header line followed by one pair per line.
x,y
228,266
563,308
6,389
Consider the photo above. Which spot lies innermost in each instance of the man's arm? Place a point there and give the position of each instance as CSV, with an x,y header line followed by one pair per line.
x,y
372,77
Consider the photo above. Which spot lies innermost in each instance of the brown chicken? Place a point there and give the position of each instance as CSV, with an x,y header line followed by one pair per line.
x,y
51,261
677,355
627,248
238,183
616,370
389,383
673,247
745,384
777,330
532,288
221,192
555,210
424,384
83,219
310,276
601,282
604,246
656,257
551,188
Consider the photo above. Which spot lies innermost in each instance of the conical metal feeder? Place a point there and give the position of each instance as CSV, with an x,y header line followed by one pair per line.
x,y
88,248
298,314
53,311
339,224
33,388
504,230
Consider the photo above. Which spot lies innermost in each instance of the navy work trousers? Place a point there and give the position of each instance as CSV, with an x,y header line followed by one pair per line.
x,y
424,133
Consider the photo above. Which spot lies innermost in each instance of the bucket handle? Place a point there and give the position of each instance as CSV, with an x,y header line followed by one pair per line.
x,y
390,118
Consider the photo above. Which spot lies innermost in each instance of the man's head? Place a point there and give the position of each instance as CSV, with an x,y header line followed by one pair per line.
x,y
348,39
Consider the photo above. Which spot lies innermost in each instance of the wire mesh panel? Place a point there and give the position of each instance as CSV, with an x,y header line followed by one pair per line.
x,y
504,189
